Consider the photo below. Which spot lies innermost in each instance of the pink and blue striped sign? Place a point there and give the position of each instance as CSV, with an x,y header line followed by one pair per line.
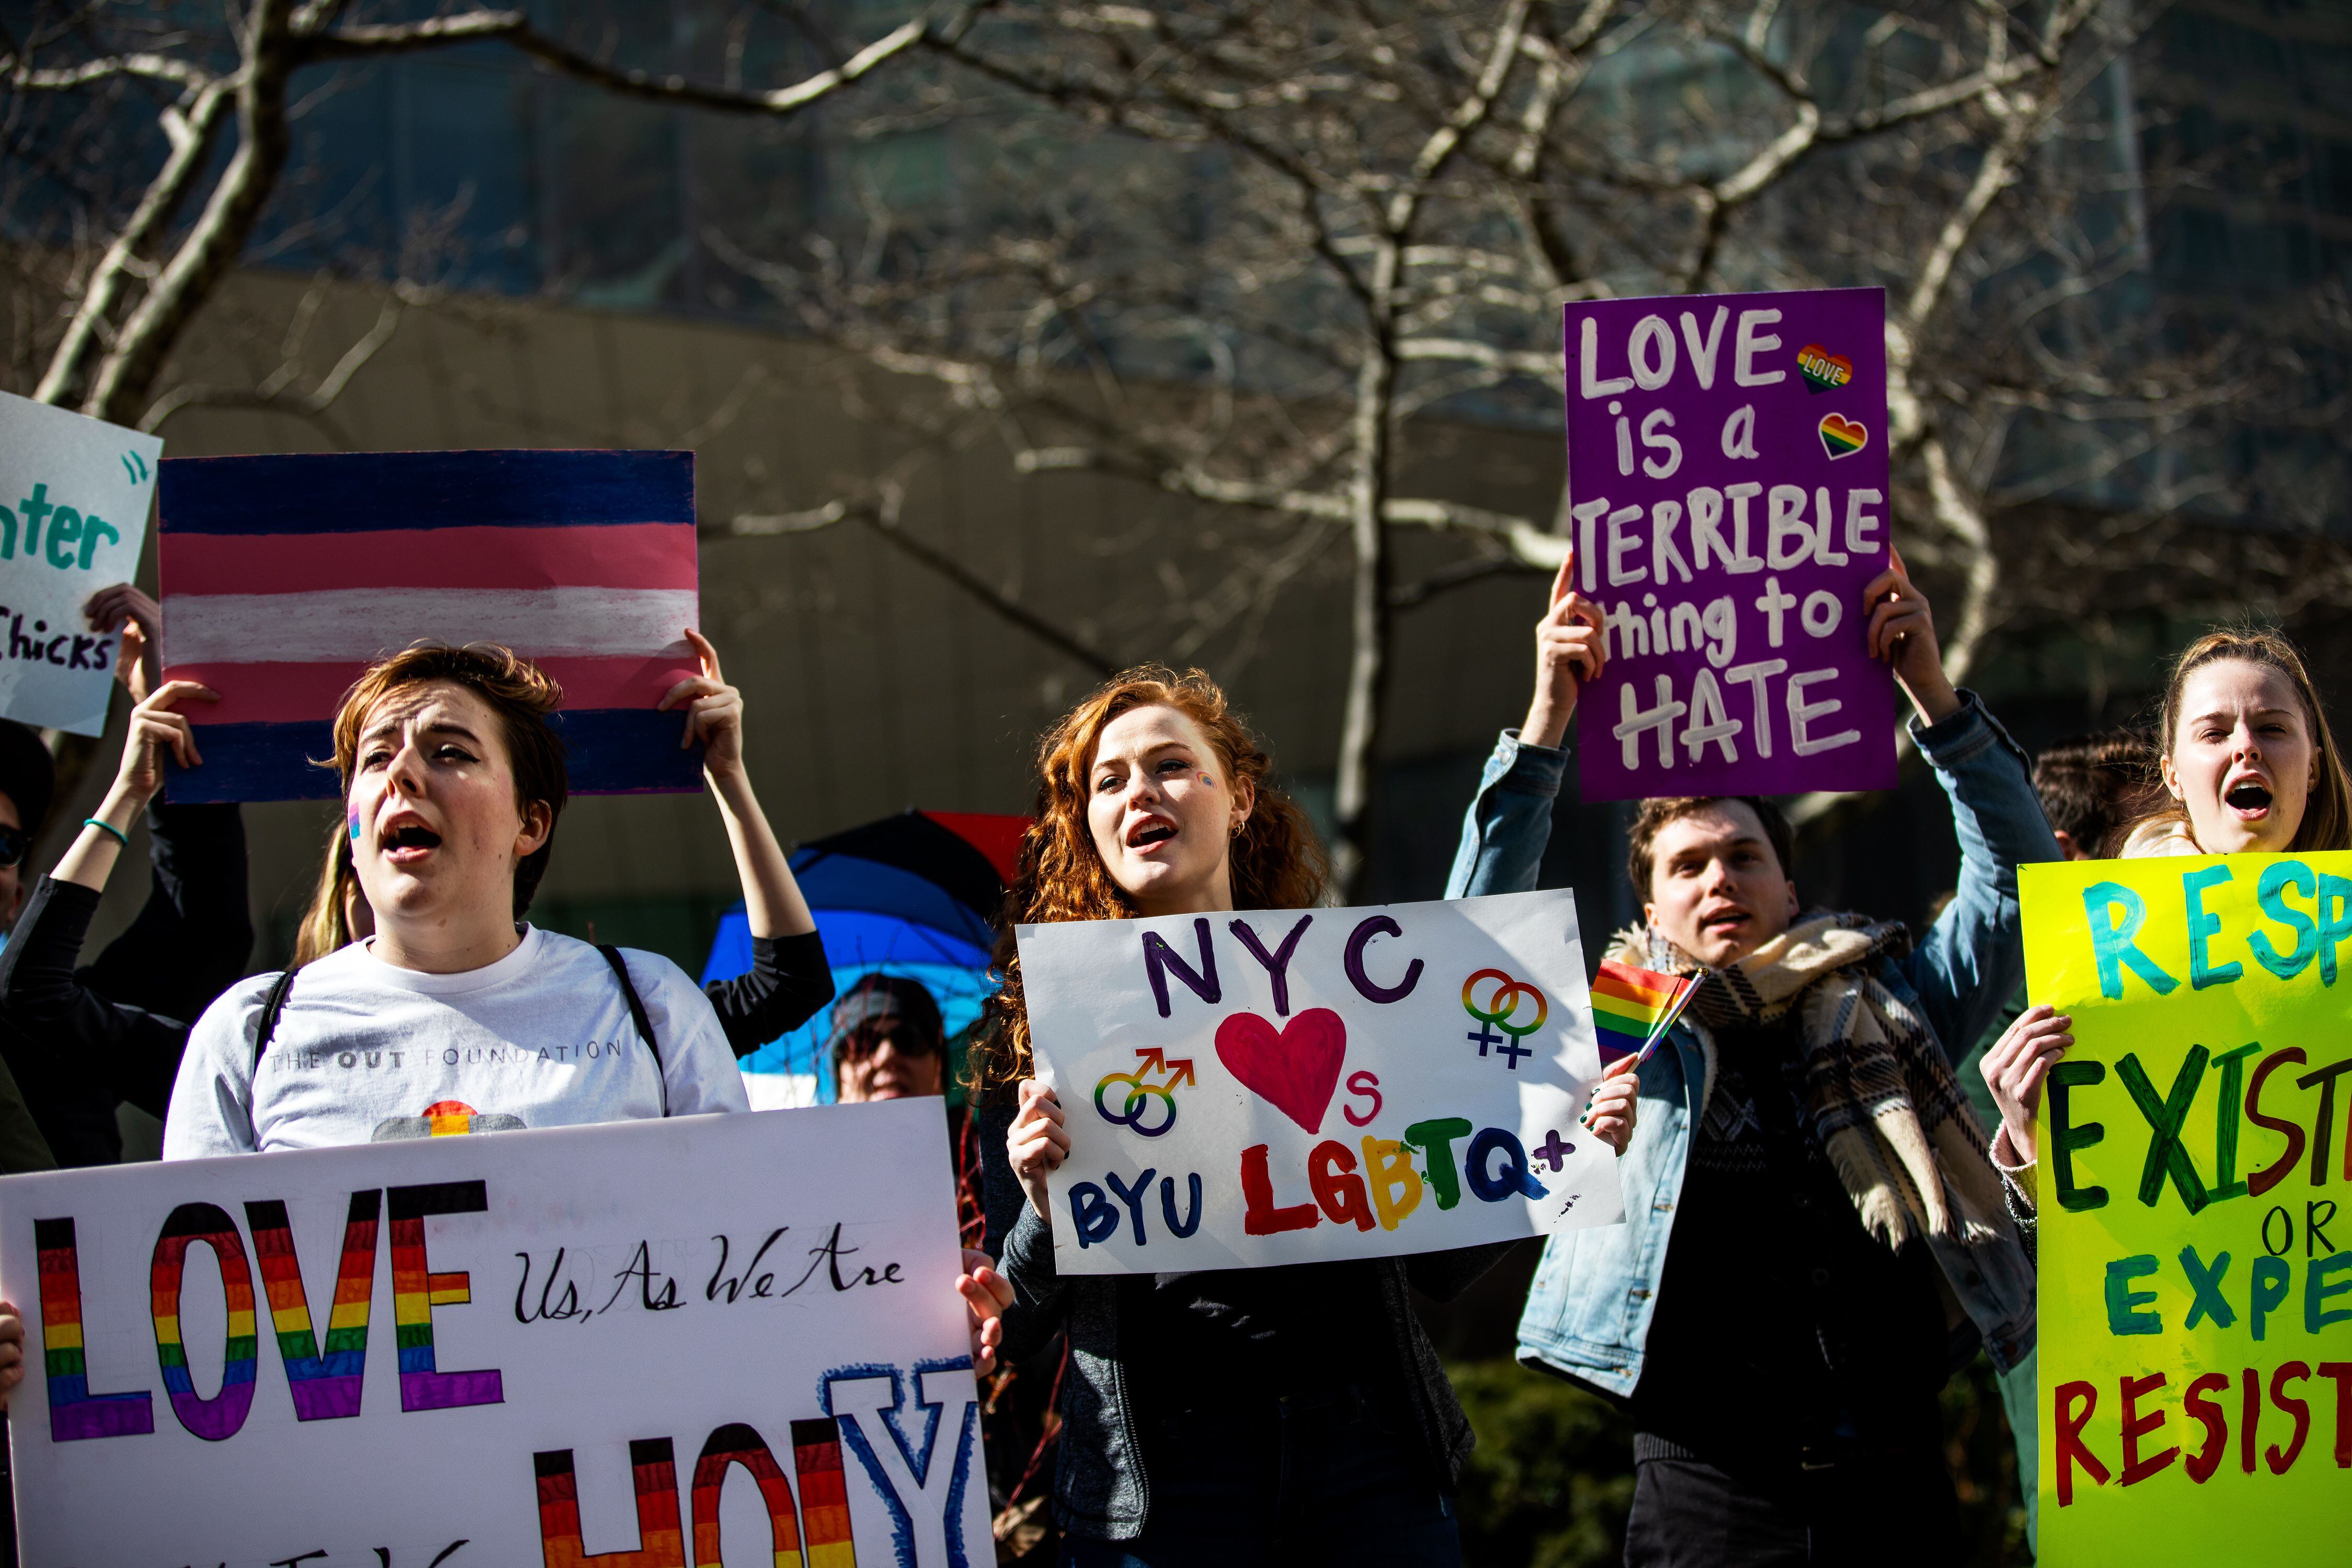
x,y
284,577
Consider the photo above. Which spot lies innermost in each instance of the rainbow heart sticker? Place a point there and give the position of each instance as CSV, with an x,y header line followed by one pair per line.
x,y
1842,436
1822,370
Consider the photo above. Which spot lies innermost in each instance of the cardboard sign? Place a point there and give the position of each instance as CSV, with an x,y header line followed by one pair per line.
x,y
504,1349
285,577
1280,1086
1727,475
2195,1186
74,493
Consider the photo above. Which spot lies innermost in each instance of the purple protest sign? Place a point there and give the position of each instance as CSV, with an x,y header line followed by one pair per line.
x,y
1727,474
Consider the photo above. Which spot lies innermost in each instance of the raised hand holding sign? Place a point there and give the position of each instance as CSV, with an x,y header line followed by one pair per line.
x,y
1727,478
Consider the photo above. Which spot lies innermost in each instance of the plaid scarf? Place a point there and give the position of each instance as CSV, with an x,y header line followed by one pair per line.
x,y
1905,1143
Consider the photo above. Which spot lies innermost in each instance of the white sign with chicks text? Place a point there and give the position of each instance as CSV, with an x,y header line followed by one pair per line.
x,y
74,496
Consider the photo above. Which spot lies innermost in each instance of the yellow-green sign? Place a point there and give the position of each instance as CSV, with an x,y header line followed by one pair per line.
x,y
2195,1186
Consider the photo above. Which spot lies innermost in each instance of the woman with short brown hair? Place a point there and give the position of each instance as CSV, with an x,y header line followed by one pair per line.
x,y
454,1016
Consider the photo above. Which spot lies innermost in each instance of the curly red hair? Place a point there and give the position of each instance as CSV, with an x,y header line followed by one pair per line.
x,y
1277,862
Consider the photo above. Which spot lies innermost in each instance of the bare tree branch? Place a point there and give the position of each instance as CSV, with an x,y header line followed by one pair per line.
x,y
193,134
514,28
213,245
114,345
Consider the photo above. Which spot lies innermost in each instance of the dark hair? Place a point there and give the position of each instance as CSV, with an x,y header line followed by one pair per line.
x,y
1657,813
2093,786
29,774
877,997
518,690
2327,815
1277,862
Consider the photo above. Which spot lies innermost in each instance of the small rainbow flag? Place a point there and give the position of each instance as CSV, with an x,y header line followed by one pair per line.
x,y
1633,1008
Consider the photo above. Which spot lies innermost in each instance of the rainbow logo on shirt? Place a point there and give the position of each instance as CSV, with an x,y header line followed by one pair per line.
x,y
218,1417
444,1119
325,1387
75,1413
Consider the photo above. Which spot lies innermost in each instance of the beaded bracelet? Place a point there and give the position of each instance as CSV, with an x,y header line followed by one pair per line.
x,y
120,836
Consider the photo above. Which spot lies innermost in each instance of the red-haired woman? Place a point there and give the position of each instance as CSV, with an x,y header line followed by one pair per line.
x,y
1289,1415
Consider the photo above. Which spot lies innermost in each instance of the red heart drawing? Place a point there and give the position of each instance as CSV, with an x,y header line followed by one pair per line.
x,y
1294,1071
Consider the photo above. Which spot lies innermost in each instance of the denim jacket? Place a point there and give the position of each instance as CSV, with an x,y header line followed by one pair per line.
x,y
1588,1313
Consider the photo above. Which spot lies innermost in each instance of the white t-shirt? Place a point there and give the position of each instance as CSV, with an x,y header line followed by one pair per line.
x,y
366,1052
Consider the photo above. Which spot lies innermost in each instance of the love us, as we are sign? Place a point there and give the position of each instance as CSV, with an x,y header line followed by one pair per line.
x,y
1281,1086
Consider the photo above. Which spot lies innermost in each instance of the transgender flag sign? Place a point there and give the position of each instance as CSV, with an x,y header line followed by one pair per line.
x,y
285,577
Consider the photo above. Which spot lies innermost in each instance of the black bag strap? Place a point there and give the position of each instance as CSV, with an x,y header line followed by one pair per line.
x,y
274,1006
637,1014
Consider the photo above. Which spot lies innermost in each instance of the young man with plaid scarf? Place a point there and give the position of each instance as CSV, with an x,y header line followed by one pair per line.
x,y
1814,1237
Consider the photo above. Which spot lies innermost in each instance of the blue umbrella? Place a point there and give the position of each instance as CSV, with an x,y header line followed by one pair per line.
x,y
913,895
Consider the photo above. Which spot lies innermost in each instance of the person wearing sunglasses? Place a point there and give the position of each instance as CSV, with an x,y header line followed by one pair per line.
x,y
16,843
81,1040
889,1042
27,779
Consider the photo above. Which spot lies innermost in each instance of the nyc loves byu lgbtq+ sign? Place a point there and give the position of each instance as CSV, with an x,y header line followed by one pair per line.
x,y
1268,1087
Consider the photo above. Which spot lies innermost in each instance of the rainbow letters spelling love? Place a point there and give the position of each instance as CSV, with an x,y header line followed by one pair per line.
x,y
284,577
328,1386
324,1386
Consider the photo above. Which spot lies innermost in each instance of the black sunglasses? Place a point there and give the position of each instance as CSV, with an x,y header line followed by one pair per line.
x,y
864,1040
15,844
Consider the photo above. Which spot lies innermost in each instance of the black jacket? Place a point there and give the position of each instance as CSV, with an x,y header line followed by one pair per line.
x,y
1100,1487
79,1041
789,981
